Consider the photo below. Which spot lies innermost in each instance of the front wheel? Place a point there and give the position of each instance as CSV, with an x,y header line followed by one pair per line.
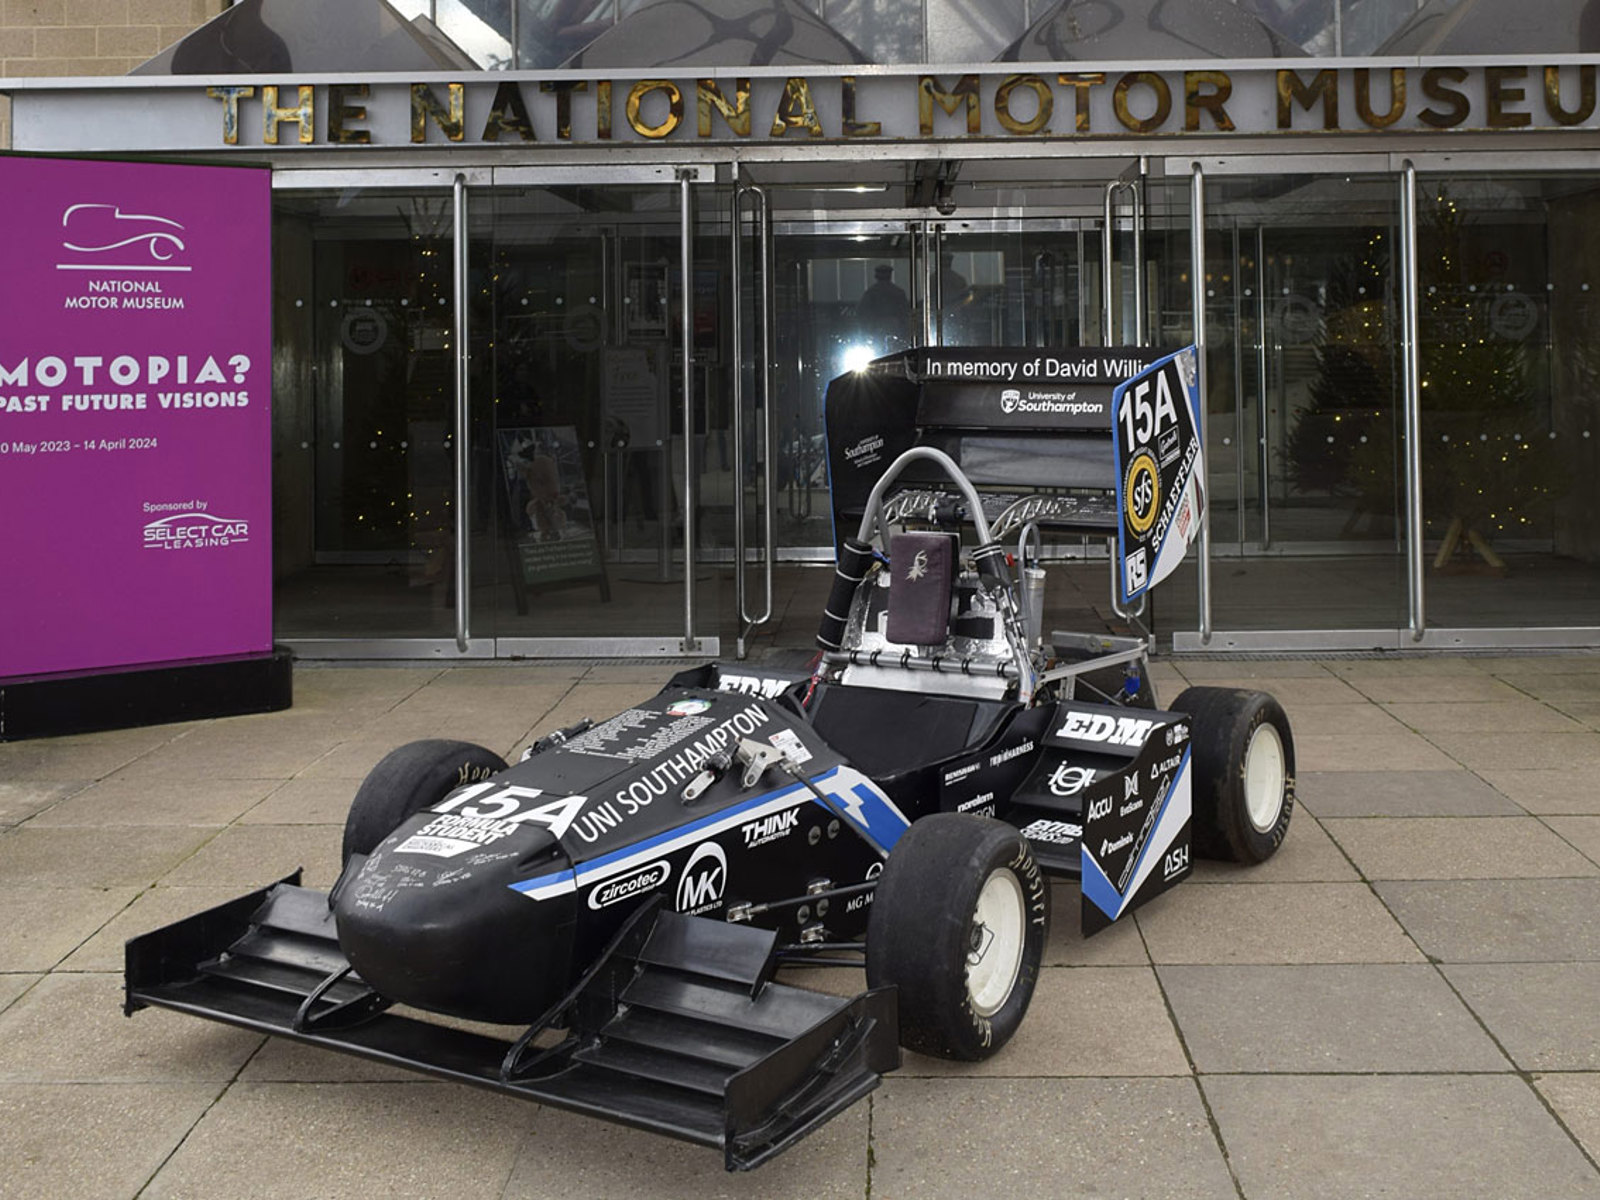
x,y
958,926
409,779
1243,772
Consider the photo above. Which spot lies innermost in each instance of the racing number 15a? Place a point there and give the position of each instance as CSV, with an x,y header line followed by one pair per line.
x,y
1141,416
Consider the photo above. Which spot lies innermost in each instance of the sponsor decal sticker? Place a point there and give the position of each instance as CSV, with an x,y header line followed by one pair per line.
x,y
691,707
1057,833
770,828
1102,727
1068,780
645,879
704,881
793,748
1004,756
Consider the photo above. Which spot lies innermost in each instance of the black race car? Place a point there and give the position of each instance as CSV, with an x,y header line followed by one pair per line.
x,y
626,893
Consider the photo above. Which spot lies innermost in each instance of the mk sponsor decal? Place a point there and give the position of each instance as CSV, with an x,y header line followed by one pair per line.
x,y
704,881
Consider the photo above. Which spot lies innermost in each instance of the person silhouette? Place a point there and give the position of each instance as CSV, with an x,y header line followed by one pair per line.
x,y
884,309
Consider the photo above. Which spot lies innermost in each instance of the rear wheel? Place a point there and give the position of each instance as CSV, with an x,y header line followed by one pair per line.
x,y
1243,772
407,780
958,926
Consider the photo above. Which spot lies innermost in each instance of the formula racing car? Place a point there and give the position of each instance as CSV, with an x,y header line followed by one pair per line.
x,y
626,894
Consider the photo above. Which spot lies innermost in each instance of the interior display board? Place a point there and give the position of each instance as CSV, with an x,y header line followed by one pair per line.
x,y
135,435
550,510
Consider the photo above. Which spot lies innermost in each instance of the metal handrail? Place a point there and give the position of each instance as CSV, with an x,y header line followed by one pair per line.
x,y
769,496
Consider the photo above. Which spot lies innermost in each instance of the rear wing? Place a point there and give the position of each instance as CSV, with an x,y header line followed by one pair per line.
x,y
1102,442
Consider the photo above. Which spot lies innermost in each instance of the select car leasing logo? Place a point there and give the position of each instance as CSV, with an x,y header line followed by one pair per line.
x,y
101,237
195,531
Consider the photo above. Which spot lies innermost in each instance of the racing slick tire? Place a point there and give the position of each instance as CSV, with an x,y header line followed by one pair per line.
x,y
407,780
1243,782
958,926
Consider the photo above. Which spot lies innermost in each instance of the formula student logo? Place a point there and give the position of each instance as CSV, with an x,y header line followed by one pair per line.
x,y
101,237
195,531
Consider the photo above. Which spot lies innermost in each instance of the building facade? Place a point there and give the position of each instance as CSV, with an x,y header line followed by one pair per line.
x,y
558,290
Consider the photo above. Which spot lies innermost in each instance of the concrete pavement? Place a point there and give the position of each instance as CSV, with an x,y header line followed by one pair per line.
x,y
1404,1002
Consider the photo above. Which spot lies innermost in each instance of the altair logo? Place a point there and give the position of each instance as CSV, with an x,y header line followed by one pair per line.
x,y
195,531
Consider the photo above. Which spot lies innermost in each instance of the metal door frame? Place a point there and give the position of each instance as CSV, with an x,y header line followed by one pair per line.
x,y
462,185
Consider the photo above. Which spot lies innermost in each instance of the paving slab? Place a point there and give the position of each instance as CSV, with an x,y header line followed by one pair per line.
x,y
12,986
1411,687
1306,855
1553,790
226,750
1453,793
269,1140
1499,920
84,756
106,1047
304,802
252,856
1203,671
572,1156
91,857
20,801
148,910
1093,1021
1402,668
1293,691
282,1061
1456,848
1273,923
1400,751
1342,720
1118,945
43,925
1521,751
92,1143
1371,1017
1576,1099
1584,712
1493,716
1553,687
123,801
1546,1015
1569,662
1325,1137
1580,832
1044,1137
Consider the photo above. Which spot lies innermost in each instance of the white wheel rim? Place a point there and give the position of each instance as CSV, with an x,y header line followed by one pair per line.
x,y
1264,777
995,956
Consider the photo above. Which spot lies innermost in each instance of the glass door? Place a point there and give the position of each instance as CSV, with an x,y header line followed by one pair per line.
x,y
363,396
587,477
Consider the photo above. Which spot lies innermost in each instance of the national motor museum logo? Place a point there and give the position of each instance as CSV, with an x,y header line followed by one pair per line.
x,y
193,529
101,237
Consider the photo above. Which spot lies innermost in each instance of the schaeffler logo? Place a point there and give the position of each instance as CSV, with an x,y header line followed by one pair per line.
x,y
195,531
101,237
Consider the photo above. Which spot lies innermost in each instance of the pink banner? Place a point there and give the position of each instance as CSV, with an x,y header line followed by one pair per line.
x,y
135,433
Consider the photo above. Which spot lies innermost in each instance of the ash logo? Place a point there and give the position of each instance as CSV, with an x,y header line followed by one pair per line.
x,y
110,240
1009,400
1068,780
1175,863
195,531
704,880
645,879
918,568
770,829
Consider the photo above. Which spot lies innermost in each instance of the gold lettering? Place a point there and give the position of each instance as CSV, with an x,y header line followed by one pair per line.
x,y
796,110
1552,96
1457,107
635,104
230,110
1163,95
508,114
1196,101
563,94
709,96
1397,97
602,110
1497,95
304,114
1293,90
930,92
847,109
452,121
1081,82
339,112
1043,104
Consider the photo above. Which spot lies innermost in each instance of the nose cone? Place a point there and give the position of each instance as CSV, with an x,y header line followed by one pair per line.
x,y
430,920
